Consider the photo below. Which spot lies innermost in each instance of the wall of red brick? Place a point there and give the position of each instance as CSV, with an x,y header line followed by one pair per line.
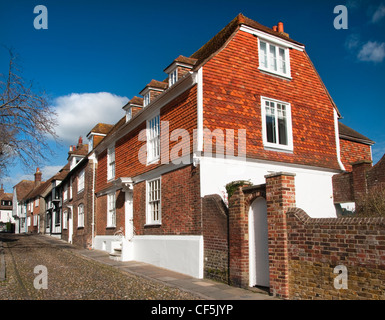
x,y
351,186
232,90
352,152
317,246
180,201
215,234
82,236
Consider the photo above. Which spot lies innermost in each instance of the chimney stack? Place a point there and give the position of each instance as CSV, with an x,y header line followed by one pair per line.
x,y
38,175
280,26
1,190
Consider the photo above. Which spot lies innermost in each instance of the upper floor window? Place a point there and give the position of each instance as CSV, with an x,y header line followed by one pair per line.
x,y
146,99
111,163
153,139
173,77
274,59
81,181
276,124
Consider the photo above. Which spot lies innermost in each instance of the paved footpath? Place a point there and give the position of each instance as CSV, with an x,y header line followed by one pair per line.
x,y
80,274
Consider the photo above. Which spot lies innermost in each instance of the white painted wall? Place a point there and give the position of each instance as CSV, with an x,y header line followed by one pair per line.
x,y
183,254
314,190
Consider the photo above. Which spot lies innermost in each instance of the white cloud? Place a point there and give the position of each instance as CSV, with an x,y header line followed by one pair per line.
x,y
352,41
379,13
79,113
372,52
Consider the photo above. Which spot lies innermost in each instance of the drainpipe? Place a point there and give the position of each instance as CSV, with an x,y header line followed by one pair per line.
x,y
93,206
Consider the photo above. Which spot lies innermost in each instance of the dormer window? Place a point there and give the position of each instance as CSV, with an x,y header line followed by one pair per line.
x,y
146,100
133,107
129,114
274,59
173,77
178,68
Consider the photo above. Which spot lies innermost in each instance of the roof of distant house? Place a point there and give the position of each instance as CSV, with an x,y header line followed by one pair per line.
x,y
350,134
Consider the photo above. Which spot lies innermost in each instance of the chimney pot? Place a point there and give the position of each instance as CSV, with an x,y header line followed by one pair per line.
x,y
80,142
275,28
280,26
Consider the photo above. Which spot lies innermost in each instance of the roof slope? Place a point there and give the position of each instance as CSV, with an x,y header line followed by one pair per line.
x,y
350,134
222,36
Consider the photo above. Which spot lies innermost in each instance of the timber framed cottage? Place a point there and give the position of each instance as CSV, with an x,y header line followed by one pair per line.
x,y
256,92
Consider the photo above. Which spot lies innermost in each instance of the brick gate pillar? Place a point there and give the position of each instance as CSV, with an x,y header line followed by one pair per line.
x,y
280,196
238,240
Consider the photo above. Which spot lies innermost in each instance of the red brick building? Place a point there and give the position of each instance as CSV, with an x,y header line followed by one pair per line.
x,y
256,92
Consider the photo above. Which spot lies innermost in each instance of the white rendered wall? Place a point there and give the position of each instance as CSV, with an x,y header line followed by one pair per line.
x,y
314,190
183,254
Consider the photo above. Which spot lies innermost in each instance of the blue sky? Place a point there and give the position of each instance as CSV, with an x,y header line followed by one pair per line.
x,y
95,55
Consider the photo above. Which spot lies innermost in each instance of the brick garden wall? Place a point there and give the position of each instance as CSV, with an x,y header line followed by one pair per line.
x,y
215,233
317,246
304,251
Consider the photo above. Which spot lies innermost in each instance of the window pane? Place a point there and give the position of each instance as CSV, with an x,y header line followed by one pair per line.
x,y
270,122
263,55
273,58
282,62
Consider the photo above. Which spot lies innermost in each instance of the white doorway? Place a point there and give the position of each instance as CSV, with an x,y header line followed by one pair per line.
x,y
258,244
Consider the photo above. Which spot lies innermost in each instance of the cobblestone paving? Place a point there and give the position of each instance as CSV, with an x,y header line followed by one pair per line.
x,y
70,276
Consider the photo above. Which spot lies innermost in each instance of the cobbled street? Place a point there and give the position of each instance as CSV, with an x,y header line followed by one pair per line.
x,y
69,275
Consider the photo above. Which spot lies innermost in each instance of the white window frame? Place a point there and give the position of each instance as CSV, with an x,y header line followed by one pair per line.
x,y
289,130
65,217
81,215
81,178
153,202
173,77
153,139
111,163
146,99
269,69
35,220
37,202
129,114
70,187
65,192
111,210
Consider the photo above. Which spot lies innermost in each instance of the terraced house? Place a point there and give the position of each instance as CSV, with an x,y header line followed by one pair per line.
x,y
247,104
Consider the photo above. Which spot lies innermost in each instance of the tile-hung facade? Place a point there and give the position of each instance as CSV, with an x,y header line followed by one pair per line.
x,y
256,90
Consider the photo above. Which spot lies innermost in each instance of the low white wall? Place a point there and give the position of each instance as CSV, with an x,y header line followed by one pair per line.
x,y
183,254
314,189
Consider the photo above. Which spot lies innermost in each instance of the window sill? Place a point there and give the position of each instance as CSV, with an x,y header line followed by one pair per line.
x,y
110,227
277,74
153,225
287,149
153,161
